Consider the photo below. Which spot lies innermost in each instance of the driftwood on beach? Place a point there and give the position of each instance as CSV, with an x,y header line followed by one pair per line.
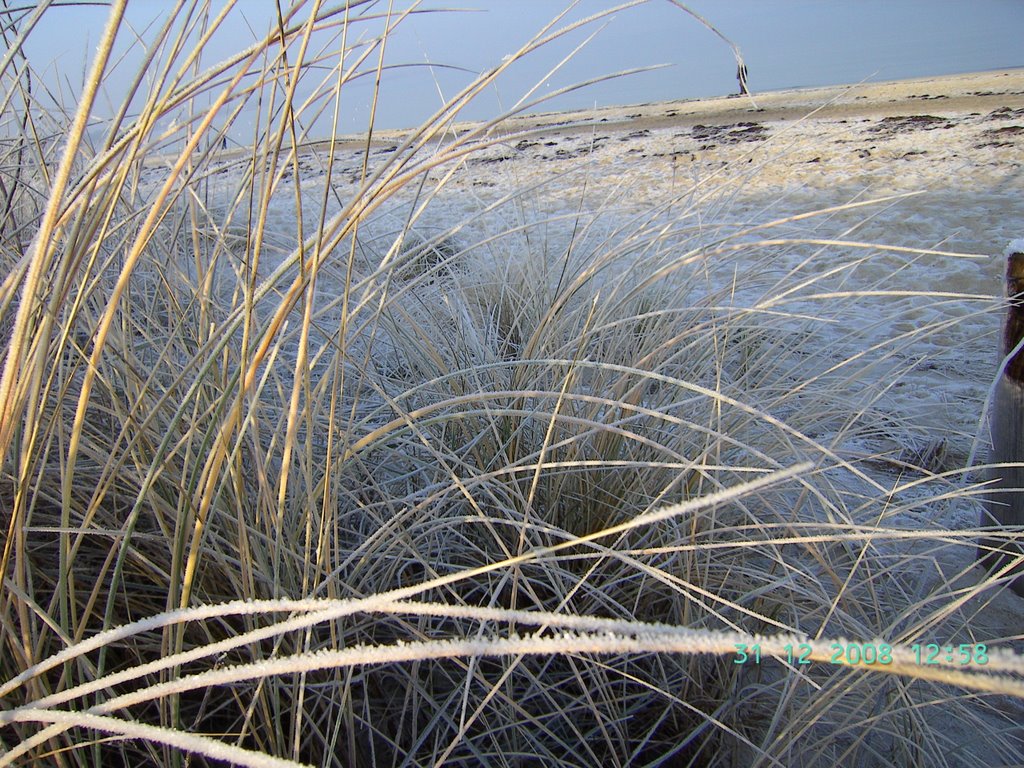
x,y
1004,504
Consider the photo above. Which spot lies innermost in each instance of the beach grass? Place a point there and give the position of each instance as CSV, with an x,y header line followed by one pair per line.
x,y
297,470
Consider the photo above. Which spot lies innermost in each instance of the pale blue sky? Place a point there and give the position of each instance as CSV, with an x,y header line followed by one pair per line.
x,y
786,43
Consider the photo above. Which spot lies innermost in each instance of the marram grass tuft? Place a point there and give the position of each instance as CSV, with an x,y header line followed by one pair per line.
x,y
342,466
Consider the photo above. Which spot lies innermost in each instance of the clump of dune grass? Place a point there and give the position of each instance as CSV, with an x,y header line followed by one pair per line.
x,y
296,469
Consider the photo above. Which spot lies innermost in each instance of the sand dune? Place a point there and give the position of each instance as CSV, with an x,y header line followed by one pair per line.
x,y
951,147
632,306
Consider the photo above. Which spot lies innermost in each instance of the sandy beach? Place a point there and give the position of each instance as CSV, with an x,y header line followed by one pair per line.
x,y
815,136
940,139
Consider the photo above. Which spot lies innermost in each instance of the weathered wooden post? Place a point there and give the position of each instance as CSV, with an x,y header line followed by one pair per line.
x,y
1004,503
